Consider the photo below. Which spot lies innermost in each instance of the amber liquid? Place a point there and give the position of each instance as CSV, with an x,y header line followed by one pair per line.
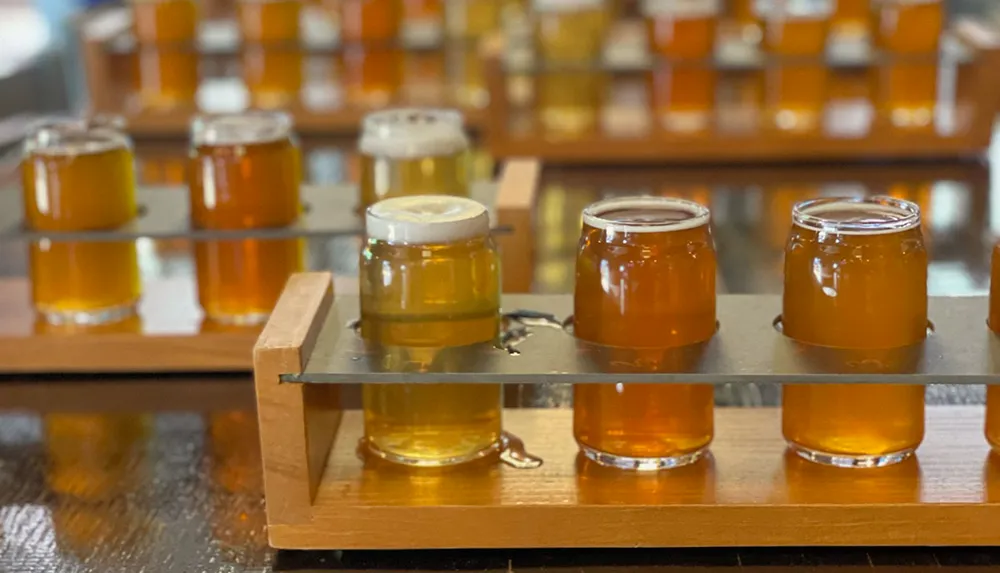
x,y
269,21
470,19
235,466
796,85
89,455
909,33
165,77
644,291
907,93
852,16
384,177
683,91
370,20
80,191
240,281
419,300
863,292
273,75
424,14
164,21
993,392
371,75
906,27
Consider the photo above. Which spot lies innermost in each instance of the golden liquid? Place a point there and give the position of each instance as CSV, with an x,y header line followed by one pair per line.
x,y
385,177
907,93
89,455
245,186
993,392
796,85
240,281
648,291
569,101
165,77
905,27
78,191
235,467
369,20
691,484
467,76
430,11
863,292
269,21
683,91
371,75
853,15
424,76
810,483
164,21
907,84
425,298
470,19
273,75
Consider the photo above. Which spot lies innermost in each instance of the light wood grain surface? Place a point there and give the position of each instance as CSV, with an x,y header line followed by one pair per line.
x,y
749,493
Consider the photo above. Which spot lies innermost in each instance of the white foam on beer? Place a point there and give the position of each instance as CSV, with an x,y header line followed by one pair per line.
x,y
426,219
857,216
411,133
566,5
593,215
240,128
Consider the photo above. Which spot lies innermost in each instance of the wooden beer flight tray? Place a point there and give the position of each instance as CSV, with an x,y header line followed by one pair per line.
x,y
107,48
170,334
739,135
321,494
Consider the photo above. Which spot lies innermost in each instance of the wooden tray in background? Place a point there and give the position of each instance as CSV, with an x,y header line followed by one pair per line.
x,y
169,334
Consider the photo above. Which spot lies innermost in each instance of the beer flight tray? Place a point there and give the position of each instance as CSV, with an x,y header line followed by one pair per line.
x,y
107,49
962,130
322,493
169,333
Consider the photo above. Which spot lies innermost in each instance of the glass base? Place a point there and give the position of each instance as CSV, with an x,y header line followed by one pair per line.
x,y
684,121
91,317
848,460
493,449
248,319
642,464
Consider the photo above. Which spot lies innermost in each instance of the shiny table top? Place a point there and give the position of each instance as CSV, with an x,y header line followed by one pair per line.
x,y
163,474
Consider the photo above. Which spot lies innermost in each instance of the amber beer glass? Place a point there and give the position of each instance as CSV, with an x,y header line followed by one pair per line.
x,y
273,74
413,152
164,21
852,17
369,21
645,283
245,174
569,37
269,21
682,88
855,279
165,65
430,280
78,176
371,74
993,391
908,32
795,35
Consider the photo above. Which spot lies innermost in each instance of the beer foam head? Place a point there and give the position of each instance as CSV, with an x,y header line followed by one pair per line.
x,y
645,215
240,128
426,219
411,133
73,136
877,215
566,5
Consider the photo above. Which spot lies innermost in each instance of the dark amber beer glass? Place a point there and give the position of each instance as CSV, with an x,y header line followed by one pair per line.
x,y
908,32
645,282
245,174
682,88
993,392
795,34
80,177
855,279
369,21
430,280
413,152
269,21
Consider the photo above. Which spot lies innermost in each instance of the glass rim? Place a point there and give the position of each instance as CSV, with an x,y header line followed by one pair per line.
x,y
592,214
240,128
53,134
808,215
413,132
426,220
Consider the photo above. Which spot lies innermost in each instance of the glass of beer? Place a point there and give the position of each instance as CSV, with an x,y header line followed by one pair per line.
x,y
472,19
682,88
993,391
273,74
795,36
371,74
165,77
369,20
645,285
908,32
430,281
855,280
164,21
852,17
423,18
79,176
245,174
569,37
413,152
269,21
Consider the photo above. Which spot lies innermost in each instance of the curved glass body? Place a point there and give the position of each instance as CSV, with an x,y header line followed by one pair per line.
x,y
993,392
80,177
855,279
413,152
370,20
909,32
245,173
645,283
429,282
164,21
269,21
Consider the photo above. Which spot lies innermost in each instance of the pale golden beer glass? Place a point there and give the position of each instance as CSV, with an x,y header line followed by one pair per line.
x,y
569,36
77,176
993,392
909,32
413,152
430,280
245,174
855,279
645,284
